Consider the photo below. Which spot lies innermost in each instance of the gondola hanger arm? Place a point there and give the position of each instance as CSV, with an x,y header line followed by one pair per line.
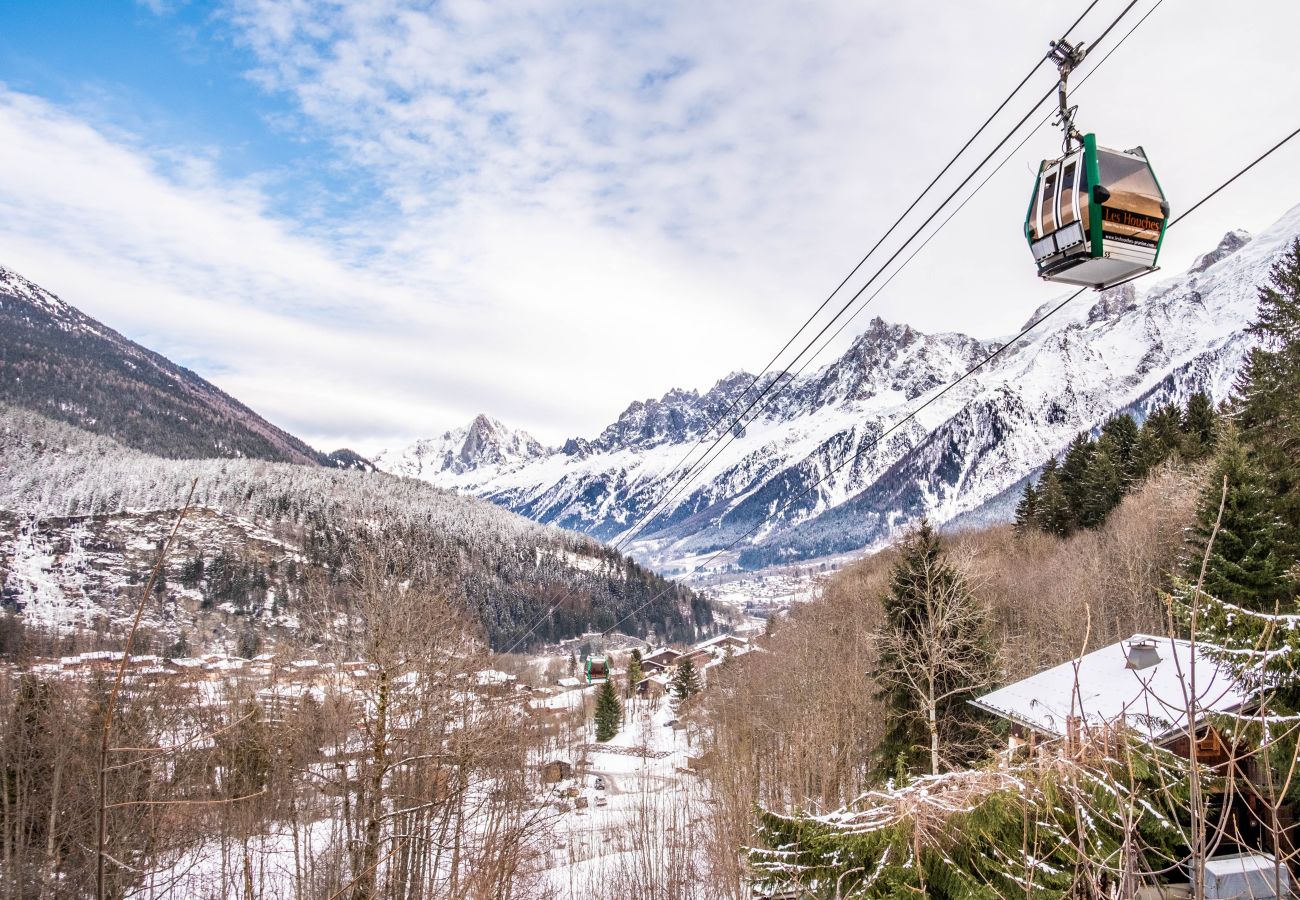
x,y
1066,57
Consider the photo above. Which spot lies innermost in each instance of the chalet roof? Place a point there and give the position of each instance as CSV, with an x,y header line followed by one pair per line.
x,y
720,641
1150,700
492,676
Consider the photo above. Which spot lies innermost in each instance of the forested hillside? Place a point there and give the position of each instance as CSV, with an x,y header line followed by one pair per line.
x,y
58,361
85,516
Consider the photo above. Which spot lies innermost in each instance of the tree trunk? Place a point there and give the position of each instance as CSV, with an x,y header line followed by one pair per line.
x,y
375,801
932,723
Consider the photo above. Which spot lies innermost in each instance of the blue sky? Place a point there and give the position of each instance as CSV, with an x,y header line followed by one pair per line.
x,y
172,79
372,220
175,75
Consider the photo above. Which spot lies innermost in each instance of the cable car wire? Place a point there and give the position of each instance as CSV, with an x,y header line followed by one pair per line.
x,y
1210,195
696,468
754,381
950,386
968,199
730,434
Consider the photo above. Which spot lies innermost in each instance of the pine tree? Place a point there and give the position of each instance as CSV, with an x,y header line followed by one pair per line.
x,y
1074,471
1103,484
1027,509
1166,426
1268,413
1148,453
609,712
1246,566
931,624
1199,425
1053,509
634,672
686,683
1123,432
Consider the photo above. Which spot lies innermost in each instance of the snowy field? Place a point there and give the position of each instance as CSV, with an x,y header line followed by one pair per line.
x,y
637,811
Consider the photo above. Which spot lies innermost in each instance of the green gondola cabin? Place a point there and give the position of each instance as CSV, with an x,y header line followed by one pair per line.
x,y
1097,216
597,669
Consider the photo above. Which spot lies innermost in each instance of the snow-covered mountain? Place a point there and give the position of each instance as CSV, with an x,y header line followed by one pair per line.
x,y
58,361
471,454
1123,349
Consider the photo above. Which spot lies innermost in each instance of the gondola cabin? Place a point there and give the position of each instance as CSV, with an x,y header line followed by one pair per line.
x,y
597,669
1096,217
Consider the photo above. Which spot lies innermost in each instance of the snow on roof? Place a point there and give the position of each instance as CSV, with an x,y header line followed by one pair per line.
x,y
492,676
93,656
1150,700
568,682
720,639
1240,862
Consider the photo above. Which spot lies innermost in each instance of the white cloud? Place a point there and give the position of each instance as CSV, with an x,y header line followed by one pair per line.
x,y
594,204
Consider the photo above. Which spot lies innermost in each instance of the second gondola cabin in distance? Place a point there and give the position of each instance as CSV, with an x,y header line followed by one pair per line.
x,y
597,669
1097,216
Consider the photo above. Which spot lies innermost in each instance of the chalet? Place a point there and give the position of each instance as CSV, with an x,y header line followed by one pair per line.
x,y
359,670
493,683
280,703
89,663
651,688
699,658
1139,684
660,660
724,643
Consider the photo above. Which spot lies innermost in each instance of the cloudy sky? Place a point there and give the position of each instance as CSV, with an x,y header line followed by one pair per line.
x,y
372,219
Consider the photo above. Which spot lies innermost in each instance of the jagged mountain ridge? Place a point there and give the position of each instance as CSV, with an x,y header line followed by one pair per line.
x,y
1123,349
58,361
483,446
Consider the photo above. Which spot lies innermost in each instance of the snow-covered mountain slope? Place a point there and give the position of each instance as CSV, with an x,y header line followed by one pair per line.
x,y
464,456
1124,349
58,361
82,519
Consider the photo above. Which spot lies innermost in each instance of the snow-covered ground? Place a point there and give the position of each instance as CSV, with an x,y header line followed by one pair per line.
x,y
640,817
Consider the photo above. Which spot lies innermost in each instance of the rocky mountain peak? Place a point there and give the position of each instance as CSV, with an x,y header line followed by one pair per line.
x,y
1114,302
1231,243
487,441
